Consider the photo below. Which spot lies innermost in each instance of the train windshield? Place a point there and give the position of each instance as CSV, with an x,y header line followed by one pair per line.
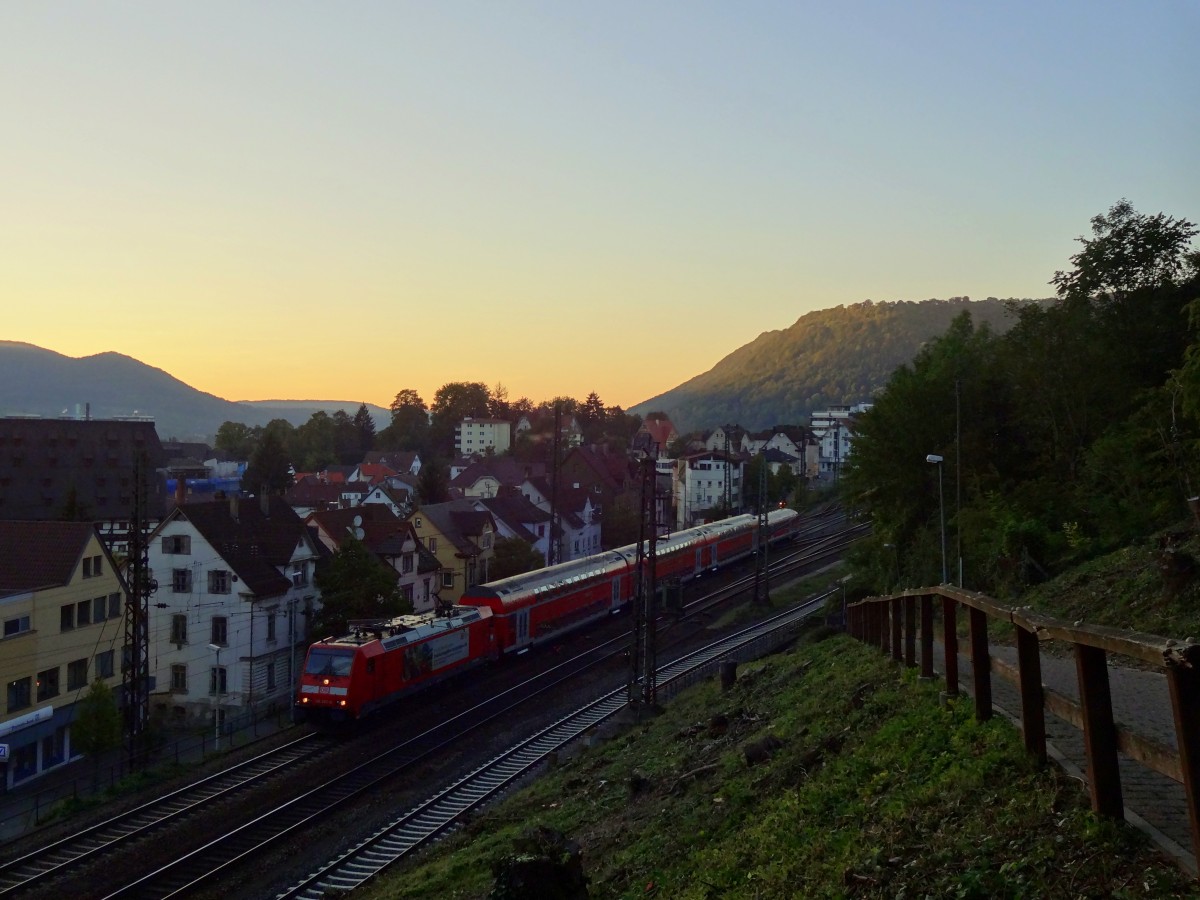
x,y
328,662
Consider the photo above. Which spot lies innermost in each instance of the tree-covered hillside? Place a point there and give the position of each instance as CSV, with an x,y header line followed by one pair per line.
x,y
831,356
1075,432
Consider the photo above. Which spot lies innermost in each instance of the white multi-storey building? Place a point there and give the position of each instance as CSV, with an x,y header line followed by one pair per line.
x,y
229,623
476,436
703,481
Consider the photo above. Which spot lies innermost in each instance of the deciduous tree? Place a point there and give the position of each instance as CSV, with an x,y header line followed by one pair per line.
x,y
356,585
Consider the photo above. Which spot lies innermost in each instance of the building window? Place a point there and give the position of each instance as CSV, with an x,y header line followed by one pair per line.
x,y
447,579
77,672
104,664
114,606
216,680
432,544
179,628
99,609
177,544
92,567
270,676
83,613
218,581
66,617
16,625
87,567
220,631
271,625
19,693
406,563
178,679
181,581
47,684
299,575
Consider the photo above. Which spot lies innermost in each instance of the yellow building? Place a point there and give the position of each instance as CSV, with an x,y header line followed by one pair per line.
x,y
462,539
62,604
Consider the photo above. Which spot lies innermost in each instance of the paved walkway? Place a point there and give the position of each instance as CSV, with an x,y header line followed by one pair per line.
x,y
1141,703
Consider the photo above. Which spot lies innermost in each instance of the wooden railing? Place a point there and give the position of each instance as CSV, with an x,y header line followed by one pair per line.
x,y
895,624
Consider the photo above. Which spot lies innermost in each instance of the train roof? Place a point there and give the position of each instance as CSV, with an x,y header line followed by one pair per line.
x,y
407,629
547,579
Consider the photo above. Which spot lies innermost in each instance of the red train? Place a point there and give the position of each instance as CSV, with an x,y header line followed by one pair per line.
x,y
347,678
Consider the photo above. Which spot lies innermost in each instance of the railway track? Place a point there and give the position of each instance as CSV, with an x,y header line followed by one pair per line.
x,y
444,811
203,864
25,871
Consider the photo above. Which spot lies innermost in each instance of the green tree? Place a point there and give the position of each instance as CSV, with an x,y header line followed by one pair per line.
x,y
409,428
347,441
364,424
513,556
452,403
498,405
269,470
354,585
236,439
97,725
314,445
433,483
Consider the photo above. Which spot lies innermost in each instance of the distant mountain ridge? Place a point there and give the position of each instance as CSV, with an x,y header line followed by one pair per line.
x,y
39,382
831,356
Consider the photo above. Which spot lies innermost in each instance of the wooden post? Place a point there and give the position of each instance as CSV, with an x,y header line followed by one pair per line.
x,y
1099,732
1185,701
897,624
981,665
885,627
950,643
927,636
1033,712
910,632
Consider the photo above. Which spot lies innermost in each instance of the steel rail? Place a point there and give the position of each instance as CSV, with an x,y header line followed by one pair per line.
x,y
55,858
444,811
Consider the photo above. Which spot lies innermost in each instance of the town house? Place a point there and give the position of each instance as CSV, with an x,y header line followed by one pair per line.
x,y
229,621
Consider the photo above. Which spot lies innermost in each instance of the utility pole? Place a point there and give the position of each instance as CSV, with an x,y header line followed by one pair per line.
x,y
643,656
136,666
762,587
555,520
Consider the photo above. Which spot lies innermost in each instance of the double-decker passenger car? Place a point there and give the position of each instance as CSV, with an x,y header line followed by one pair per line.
x,y
349,677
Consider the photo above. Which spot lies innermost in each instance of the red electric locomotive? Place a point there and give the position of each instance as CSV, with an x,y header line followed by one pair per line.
x,y
349,677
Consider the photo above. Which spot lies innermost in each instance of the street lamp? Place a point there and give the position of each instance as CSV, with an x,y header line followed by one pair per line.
x,y
216,648
937,461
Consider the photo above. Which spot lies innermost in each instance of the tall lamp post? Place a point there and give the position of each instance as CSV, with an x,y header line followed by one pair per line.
x,y
216,648
937,461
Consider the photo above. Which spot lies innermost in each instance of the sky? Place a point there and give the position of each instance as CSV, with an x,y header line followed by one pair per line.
x,y
311,200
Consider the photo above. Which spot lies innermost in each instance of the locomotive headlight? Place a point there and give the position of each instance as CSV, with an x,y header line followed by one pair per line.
x,y
341,703
325,682
303,699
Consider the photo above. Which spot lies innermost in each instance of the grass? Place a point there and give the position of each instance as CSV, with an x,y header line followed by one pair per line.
x,y
871,789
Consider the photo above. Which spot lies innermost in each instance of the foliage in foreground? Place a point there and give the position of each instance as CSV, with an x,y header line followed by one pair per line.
x,y
867,788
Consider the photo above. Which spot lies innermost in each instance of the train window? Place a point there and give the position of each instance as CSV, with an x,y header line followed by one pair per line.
x,y
329,662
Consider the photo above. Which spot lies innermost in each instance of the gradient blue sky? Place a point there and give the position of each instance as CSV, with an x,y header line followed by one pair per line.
x,y
338,201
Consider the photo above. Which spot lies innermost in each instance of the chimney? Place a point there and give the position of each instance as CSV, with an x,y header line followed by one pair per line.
x,y
233,507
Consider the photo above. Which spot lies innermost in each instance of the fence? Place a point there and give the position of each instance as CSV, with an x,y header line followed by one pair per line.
x,y
896,623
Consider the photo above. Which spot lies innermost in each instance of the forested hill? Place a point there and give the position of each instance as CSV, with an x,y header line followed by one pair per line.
x,y
831,356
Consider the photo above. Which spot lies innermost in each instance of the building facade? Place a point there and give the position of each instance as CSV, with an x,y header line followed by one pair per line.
x,y
62,602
